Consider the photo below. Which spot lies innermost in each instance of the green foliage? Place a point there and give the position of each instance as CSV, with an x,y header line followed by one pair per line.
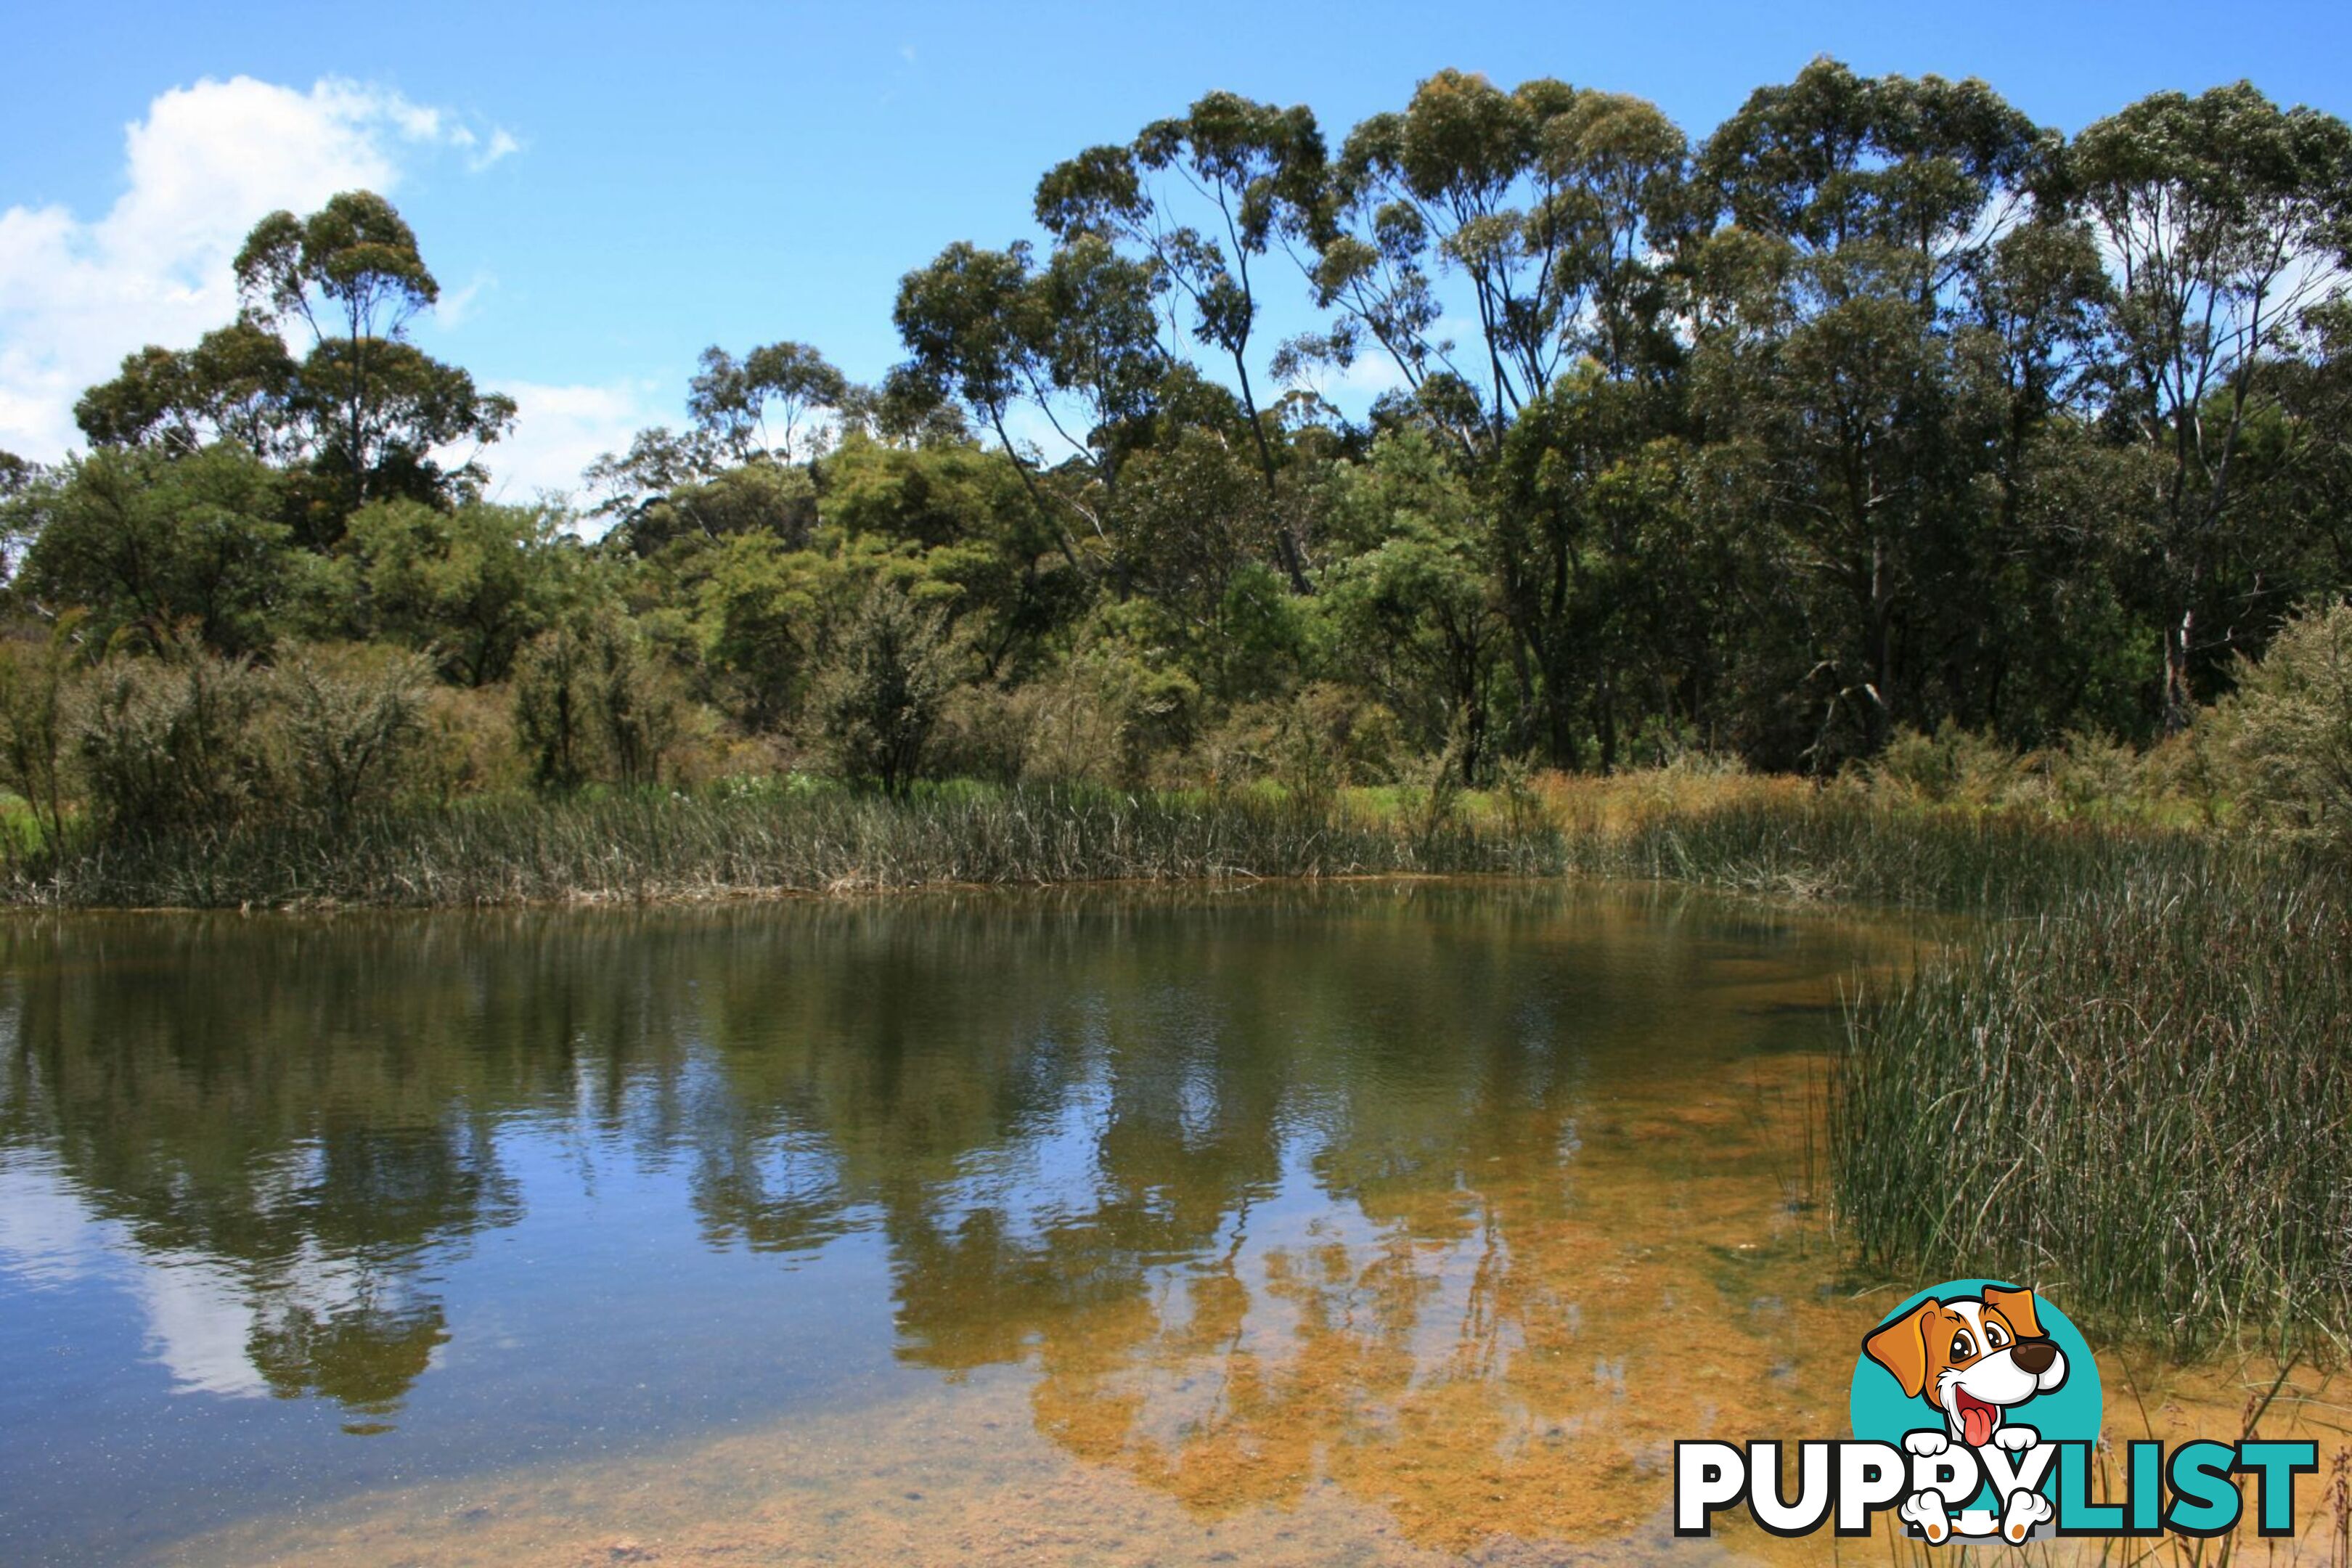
x,y
361,412
1413,615
470,585
761,609
757,405
177,745
632,701
756,498
163,554
879,702
352,719
592,702
1952,768
1880,435
2290,724
35,753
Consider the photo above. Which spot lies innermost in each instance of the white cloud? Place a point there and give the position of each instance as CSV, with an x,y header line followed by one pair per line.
x,y
560,430
455,305
76,294
501,145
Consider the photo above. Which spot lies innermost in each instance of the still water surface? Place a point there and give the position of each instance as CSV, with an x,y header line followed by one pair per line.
x,y
1373,1222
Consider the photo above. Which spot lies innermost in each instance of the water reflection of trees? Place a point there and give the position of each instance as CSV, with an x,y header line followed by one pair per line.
x,y
1083,1125
312,1108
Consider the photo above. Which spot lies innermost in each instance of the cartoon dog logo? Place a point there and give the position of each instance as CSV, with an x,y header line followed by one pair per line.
x,y
1974,1359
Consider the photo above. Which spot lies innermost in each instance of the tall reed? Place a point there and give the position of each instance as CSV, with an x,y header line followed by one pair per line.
x,y
1783,840
2145,1093
651,845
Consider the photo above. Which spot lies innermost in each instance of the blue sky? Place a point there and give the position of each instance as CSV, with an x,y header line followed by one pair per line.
x,y
604,191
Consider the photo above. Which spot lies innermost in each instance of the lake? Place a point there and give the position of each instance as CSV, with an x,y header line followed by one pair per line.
x,y
1379,1222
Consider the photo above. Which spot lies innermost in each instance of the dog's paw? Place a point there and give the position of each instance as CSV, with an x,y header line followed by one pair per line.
x,y
1927,1442
2024,1511
2017,1439
1926,1511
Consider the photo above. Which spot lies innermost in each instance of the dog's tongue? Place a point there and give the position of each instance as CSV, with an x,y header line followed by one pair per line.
x,y
1976,1422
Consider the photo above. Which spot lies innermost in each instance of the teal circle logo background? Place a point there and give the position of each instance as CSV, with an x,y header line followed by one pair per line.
x,y
2069,1413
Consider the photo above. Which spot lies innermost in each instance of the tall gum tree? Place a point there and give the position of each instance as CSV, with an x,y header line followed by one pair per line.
x,y
2226,222
318,370
1247,170
1855,221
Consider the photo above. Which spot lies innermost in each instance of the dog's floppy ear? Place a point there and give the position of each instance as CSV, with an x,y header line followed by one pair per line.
x,y
1901,1347
2017,1306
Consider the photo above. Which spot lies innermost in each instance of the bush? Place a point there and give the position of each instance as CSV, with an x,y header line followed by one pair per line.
x,y
34,693
879,702
1135,711
1952,768
550,709
633,702
351,719
2094,774
2291,730
178,744
469,745
593,701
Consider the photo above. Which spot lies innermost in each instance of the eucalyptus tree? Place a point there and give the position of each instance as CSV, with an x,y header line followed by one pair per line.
x,y
756,406
1246,175
1550,206
234,385
968,323
374,407
1857,220
1073,343
2228,223
317,371
1546,200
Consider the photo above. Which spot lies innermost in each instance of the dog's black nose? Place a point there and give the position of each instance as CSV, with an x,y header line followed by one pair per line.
x,y
2034,1355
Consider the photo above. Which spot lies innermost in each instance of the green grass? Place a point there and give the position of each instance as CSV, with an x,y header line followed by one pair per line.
x,y
2143,1094
797,836
740,843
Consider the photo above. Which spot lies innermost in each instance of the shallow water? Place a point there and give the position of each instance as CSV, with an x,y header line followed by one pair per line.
x,y
1382,1223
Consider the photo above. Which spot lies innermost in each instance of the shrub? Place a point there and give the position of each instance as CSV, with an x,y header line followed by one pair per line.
x,y
633,701
177,744
33,719
1065,728
552,721
594,701
352,719
469,743
2291,721
879,702
1135,710
2094,774
1952,768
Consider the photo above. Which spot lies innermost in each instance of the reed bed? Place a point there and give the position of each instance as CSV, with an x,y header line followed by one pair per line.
x,y
2143,1094
662,845
1775,837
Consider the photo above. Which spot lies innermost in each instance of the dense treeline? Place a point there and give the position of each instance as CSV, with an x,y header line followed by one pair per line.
x,y
1879,410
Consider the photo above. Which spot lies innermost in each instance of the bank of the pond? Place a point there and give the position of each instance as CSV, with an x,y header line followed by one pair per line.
x,y
1777,837
2137,1081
